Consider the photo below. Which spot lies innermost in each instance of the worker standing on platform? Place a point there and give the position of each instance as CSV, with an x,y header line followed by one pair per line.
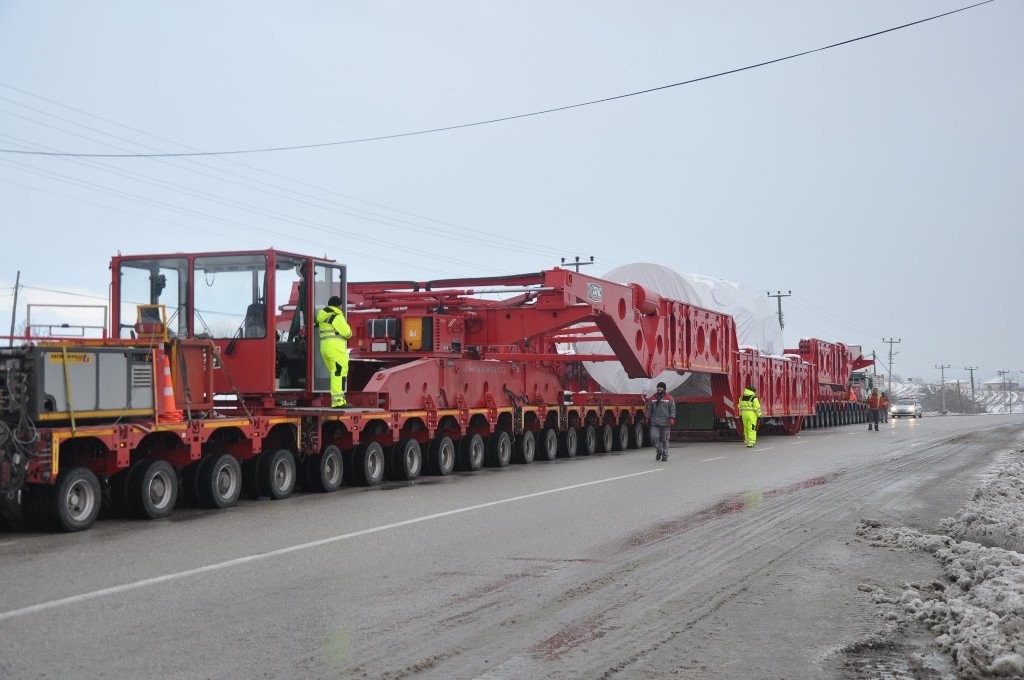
x,y
334,335
875,401
750,411
661,413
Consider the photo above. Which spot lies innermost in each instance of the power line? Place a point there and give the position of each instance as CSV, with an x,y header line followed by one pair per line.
x,y
479,237
503,119
309,224
377,258
826,316
483,239
806,309
250,207
64,292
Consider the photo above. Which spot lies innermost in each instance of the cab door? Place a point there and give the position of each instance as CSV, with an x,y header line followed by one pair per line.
x,y
328,280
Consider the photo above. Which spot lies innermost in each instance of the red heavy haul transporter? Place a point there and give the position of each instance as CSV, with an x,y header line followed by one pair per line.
x,y
211,385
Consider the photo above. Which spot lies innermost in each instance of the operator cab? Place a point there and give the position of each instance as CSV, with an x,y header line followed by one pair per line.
x,y
256,307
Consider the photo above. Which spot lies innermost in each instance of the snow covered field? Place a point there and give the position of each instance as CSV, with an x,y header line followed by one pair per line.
x,y
977,612
992,401
998,401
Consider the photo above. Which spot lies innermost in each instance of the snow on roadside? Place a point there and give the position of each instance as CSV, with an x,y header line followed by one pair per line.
x,y
977,613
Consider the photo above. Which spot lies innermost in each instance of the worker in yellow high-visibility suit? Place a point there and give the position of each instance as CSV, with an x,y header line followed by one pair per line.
x,y
750,411
334,335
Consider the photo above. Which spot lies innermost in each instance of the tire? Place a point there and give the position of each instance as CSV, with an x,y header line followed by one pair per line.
x,y
636,435
276,473
440,456
368,462
405,460
252,482
219,481
621,437
547,444
471,453
499,449
120,501
605,439
35,505
587,440
12,517
73,504
152,490
525,448
568,442
325,471
188,491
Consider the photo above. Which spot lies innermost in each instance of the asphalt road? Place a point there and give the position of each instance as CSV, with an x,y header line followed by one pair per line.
x,y
724,562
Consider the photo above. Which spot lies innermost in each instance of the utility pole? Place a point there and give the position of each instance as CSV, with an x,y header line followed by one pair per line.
x,y
942,385
1003,374
14,309
778,298
577,264
972,369
891,343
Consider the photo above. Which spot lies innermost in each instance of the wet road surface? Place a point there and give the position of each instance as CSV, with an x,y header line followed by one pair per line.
x,y
724,562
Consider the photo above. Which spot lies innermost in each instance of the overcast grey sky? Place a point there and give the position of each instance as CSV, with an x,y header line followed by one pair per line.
x,y
880,181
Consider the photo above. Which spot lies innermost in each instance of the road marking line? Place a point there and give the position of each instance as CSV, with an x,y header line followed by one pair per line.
x,y
766,448
8,543
708,460
156,580
803,442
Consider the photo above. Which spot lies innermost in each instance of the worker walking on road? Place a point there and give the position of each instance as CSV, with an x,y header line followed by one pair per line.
x,y
334,335
875,402
661,413
750,411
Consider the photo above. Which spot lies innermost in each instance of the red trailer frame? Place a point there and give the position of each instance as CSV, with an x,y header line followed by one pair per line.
x,y
442,375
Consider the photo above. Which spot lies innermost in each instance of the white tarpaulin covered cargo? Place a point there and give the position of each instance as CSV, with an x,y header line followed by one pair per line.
x,y
757,324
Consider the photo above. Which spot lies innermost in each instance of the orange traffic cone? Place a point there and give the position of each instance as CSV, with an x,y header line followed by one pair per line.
x,y
165,387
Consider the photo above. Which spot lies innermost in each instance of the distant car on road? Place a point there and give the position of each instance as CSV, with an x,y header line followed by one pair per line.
x,y
905,408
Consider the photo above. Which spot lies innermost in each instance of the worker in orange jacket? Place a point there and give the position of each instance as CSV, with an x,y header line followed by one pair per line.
x,y
334,335
875,405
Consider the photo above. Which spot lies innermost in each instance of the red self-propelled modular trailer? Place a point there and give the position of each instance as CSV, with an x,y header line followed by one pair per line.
x,y
211,386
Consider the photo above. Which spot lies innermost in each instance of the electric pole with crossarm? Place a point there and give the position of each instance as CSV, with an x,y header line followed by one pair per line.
x,y
891,343
972,369
942,385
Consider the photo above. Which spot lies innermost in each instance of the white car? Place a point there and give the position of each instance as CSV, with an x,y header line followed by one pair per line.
x,y
905,408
